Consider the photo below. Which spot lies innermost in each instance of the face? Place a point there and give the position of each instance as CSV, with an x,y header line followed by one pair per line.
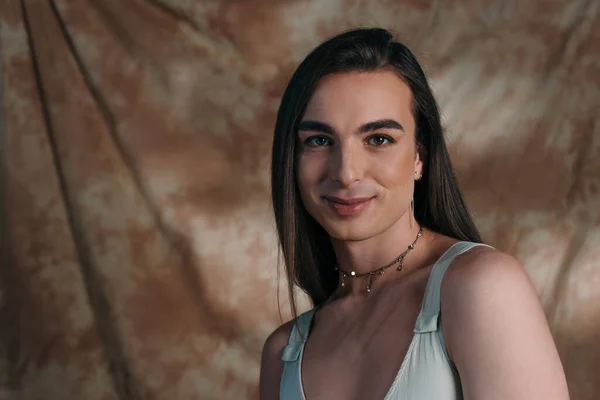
x,y
357,158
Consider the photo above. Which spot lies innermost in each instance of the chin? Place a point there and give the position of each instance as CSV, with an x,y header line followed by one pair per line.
x,y
355,231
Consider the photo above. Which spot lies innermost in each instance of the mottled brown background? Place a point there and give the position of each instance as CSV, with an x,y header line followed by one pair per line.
x,y
138,249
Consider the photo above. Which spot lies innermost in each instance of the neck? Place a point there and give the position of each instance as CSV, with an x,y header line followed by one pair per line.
x,y
373,253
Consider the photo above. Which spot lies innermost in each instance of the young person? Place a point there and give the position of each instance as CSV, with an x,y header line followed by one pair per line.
x,y
408,303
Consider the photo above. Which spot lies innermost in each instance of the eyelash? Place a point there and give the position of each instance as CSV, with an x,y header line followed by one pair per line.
x,y
310,139
389,139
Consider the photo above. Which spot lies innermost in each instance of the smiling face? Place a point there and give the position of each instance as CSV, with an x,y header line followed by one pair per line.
x,y
357,157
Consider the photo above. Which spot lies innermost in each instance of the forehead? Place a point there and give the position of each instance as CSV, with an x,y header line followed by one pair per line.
x,y
351,99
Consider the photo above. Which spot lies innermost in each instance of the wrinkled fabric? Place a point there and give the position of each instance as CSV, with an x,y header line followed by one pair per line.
x,y
138,251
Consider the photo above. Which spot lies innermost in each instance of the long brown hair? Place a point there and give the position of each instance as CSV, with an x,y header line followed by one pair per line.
x,y
306,247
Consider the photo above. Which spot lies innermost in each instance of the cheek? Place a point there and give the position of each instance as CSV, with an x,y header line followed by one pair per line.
x,y
396,170
308,178
308,172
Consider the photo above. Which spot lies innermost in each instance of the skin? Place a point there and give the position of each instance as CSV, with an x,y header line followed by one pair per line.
x,y
494,327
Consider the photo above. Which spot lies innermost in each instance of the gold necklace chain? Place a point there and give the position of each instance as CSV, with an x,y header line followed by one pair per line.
x,y
378,271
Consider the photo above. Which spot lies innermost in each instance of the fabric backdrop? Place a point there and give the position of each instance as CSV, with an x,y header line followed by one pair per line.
x,y
138,247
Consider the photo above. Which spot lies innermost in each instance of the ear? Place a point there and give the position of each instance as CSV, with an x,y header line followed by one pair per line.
x,y
420,161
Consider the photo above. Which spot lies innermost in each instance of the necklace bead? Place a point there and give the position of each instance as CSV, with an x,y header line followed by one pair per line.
x,y
378,271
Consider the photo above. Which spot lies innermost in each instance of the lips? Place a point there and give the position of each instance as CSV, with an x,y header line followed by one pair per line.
x,y
348,206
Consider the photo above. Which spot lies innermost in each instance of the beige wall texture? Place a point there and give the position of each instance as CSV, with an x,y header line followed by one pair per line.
x,y
138,247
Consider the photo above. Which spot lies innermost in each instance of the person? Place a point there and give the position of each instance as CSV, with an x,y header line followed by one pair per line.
x,y
408,301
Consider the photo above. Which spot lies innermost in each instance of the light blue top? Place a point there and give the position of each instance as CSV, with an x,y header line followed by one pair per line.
x,y
426,371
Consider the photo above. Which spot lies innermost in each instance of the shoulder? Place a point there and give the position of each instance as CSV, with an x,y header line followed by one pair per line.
x,y
271,365
494,325
277,341
480,269
482,282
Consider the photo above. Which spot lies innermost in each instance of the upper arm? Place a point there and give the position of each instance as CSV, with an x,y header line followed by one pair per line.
x,y
496,331
271,365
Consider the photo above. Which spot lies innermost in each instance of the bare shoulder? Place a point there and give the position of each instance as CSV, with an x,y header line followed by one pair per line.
x,y
481,267
276,342
494,325
483,281
271,366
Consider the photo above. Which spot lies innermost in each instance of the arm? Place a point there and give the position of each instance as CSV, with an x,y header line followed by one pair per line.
x,y
271,365
496,331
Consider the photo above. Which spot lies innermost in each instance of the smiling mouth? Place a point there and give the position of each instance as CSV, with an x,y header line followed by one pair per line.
x,y
348,207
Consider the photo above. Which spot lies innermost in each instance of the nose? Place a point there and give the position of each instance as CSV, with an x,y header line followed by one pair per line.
x,y
346,165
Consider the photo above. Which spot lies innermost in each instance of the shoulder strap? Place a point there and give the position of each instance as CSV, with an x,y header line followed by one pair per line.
x,y
427,321
297,337
290,386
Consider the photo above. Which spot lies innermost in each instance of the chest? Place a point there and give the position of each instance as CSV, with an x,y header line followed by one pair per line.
x,y
358,358
425,373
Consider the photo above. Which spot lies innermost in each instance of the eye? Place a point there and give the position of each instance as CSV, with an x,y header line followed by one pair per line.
x,y
379,140
317,141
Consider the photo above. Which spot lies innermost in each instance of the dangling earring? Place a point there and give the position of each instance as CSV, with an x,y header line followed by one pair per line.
x,y
412,212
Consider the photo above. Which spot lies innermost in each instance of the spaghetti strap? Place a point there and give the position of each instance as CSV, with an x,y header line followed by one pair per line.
x,y
427,321
298,337
290,386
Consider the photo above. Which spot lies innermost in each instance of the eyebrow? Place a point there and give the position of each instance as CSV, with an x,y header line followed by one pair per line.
x,y
316,126
381,124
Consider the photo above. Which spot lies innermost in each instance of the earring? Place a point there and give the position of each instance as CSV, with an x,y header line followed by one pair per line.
x,y
412,212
